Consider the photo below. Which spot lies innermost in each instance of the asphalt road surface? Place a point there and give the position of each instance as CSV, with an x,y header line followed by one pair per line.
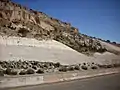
x,y
108,82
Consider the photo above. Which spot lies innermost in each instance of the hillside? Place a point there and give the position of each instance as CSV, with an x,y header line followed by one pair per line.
x,y
19,21
25,28
32,42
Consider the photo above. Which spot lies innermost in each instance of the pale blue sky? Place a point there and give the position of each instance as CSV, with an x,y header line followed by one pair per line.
x,y
99,18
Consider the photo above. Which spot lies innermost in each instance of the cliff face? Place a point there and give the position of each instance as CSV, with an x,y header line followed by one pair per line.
x,y
15,16
16,20
16,13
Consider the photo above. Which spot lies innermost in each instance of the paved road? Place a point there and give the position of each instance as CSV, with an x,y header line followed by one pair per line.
x,y
109,82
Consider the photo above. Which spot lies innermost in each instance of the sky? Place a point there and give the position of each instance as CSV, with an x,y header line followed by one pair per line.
x,y
97,18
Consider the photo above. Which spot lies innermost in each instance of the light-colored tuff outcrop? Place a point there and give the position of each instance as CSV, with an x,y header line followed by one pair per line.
x,y
15,48
30,42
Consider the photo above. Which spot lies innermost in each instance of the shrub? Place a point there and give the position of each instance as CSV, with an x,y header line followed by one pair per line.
x,y
116,65
30,71
11,66
35,62
108,41
77,67
40,71
23,72
4,71
114,42
63,69
57,64
11,71
45,65
23,32
109,66
84,63
84,67
93,63
1,73
101,66
105,66
8,71
71,68
94,67
79,64
1,62
37,36
1,67
24,66
34,67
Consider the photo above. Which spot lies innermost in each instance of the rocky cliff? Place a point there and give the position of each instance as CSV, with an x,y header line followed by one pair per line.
x,y
17,20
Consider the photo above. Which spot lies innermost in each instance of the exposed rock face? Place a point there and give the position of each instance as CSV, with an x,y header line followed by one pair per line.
x,y
17,20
